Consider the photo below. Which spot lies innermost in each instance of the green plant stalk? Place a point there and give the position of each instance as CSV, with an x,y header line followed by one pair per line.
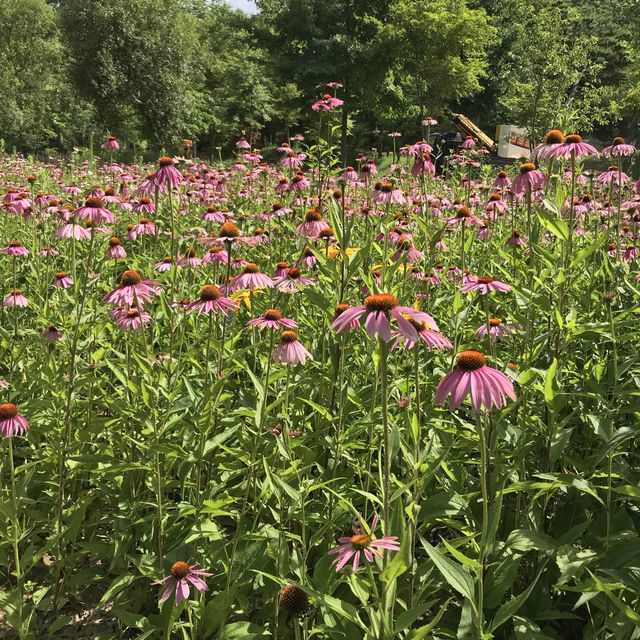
x,y
383,350
484,490
15,543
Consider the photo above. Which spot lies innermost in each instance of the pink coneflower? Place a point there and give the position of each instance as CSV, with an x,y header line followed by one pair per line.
x,y
327,103
369,169
484,285
312,226
62,281
243,143
378,310
429,122
497,330
144,228
349,174
552,141
463,215
94,211
250,278
388,194
212,301
612,175
281,269
619,148
182,575
167,174
272,319
73,230
427,333
293,160
515,239
573,145
354,323
132,289
133,319
111,144
502,181
289,351
15,299
216,255
213,215
423,166
144,205
164,264
362,543
483,232
629,254
52,334
11,422
469,143
298,182
292,281
488,387
190,260
529,179
115,250
49,252
15,249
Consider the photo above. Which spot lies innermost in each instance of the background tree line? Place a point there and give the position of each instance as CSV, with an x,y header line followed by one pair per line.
x,y
153,72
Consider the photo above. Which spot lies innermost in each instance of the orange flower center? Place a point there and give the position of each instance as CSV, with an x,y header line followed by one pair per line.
x,y
272,314
470,360
251,267
166,161
114,242
360,541
229,230
618,140
8,411
313,215
494,322
60,275
93,201
130,278
484,280
526,167
179,570
573,138
380,302
289,336
463,212
555,136
293,273
209,292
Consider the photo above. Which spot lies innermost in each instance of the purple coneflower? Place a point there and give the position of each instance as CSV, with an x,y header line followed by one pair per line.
x,y
190,260
212,301
216,255
49,252
15,249
182,575
292,281
250,278
468,143
243,143
388,194
132,289
73,230
132,319
52,334
488,387
289,351
378,310
619,148
327,103
552,141
515,239
573,145
272,319
115,250
167,173
144,205
497,330
15,299
428,333
62,281
612,175
111,144
312,226
362,543
484,285
529,179
502,181
164,265
11,422
94,211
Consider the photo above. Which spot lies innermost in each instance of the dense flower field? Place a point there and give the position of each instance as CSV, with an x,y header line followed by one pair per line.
x,y
300,400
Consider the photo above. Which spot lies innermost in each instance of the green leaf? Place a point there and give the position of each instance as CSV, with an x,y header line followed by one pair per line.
x,y
510,608
453,573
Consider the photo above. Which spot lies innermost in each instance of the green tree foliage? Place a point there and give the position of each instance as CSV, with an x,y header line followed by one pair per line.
x,y
39,107
131,59
440,50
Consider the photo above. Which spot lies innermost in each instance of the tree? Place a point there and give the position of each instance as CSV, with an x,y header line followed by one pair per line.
x,y
131,59
39,107
440,50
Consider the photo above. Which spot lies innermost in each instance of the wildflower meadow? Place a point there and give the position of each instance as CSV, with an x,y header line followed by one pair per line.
x,y
297,399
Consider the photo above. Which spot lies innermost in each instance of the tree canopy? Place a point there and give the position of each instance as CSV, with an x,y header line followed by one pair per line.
x,y
155,71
